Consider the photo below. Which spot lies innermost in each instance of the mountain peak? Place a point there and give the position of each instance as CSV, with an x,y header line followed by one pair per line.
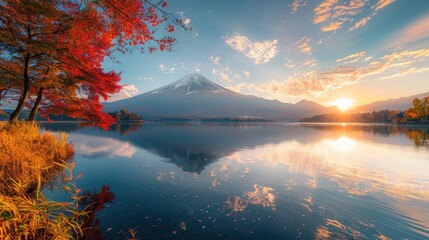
x,y
189,84
307,103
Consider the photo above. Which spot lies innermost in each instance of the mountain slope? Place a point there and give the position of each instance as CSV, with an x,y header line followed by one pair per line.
x,y
196,96
402,104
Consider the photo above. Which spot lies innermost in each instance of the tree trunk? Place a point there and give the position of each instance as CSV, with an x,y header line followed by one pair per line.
x,y
33,112
25,92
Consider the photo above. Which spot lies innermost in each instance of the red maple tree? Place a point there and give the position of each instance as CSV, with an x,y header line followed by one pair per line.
x,y
52,51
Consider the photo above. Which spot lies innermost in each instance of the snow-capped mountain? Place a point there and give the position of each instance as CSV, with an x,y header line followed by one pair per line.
x,y
198,97
190,84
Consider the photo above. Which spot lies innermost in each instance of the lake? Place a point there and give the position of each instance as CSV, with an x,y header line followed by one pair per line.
x,y
256,181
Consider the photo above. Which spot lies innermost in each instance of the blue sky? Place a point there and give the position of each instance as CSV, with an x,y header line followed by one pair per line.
x,y
320,50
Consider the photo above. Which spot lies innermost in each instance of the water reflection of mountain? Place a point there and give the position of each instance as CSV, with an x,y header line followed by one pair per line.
x,y
192,147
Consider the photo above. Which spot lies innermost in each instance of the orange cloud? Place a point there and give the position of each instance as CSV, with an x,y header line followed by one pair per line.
x,y
339,13
319,82
332,27
382,4
298,4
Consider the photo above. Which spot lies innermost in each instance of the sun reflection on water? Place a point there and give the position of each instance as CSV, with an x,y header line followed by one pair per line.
x,y
342,144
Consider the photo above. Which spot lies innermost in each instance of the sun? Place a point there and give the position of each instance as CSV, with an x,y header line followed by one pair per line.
x,y
343,104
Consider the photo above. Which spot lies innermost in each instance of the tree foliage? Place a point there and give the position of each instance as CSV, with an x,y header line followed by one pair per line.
x,y
51,51
125,116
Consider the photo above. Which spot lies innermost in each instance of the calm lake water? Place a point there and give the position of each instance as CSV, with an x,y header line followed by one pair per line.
x,y
257,181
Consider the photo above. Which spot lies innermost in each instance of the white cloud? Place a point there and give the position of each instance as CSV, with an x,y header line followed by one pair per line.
x,y
260,52
127,91
290,63
215,60
172,68
304,46
246,73
197,67
223,73
186,21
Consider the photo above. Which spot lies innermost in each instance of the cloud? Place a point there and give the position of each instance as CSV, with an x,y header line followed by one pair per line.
x,y
260,52
311,63
197,68
172,68
297,4
367,59
127,91
290,64
406,72
223,73
215,60
360,23
416,31
382,4
321,12
145,78
332,27
352,58
186,21
246,73
319,82
338,13
303,45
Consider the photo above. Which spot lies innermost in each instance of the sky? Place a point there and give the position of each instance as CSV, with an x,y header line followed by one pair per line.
x,y
290,50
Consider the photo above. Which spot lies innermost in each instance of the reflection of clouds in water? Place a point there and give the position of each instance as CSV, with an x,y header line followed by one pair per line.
x,y
334,229
261,195
236,204
346,165
97,147
356,167
322,233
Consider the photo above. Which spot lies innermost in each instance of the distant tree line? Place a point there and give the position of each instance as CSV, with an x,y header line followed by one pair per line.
x,y
419,113
125,116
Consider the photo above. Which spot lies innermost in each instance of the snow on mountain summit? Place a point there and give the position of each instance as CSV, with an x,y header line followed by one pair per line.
x,y
190,84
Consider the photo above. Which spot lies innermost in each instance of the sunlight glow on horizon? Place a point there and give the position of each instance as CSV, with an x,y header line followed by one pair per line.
x,y
343,104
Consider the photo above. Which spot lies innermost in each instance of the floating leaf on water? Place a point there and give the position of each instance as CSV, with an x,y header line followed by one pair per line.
x,y
183,226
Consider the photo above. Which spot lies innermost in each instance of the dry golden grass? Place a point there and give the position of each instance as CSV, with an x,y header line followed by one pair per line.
x,y
25,154
30,159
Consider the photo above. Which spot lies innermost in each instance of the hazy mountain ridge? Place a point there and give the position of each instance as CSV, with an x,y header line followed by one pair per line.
x,y
402,103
